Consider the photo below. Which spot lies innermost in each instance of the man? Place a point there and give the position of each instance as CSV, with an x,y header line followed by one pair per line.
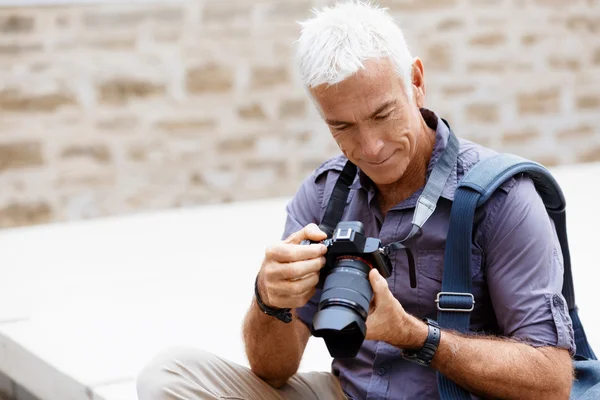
x,y
371,93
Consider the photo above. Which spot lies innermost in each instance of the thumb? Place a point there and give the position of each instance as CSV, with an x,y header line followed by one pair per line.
x,y
378,283
309,232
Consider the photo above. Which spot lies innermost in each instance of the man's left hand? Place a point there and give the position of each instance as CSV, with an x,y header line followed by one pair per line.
x,y
387,320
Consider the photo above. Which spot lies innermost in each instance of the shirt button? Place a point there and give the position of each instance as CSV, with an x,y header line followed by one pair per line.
x,y
381,371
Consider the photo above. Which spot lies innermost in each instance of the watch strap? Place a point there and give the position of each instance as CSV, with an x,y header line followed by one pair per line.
x,y
424,355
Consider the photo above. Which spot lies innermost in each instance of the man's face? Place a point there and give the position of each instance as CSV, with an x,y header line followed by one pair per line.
x,y
372,120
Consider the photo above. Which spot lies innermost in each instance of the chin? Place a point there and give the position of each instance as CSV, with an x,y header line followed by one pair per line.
x,y
388,177
386,181
388,173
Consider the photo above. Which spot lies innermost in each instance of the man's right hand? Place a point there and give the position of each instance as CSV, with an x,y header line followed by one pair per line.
x,y
290,271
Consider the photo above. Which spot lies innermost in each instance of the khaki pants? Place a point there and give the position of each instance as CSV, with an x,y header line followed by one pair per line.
x,y
194,374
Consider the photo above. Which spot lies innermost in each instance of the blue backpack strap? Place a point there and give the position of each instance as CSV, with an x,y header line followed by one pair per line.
x,y
455,301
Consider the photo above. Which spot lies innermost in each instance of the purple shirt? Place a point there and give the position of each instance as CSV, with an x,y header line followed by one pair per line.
x,y
516,261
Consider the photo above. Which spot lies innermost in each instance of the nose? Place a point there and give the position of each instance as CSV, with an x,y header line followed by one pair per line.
x,y
371,146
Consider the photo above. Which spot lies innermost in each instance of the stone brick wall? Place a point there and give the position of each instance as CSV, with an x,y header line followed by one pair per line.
x,y
108,109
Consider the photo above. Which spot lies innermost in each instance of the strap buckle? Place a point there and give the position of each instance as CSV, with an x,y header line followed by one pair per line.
x,y
455,305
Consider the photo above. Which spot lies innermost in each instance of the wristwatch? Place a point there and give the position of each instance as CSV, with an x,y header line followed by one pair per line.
x,y
425,354
282,314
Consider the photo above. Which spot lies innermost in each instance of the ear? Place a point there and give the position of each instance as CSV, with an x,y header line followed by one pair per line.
x,y
418,82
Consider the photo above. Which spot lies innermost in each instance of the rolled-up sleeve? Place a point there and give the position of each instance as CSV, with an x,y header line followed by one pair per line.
x,y
303,209
524,269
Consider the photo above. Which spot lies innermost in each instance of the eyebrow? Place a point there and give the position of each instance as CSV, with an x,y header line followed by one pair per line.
x,y
379,110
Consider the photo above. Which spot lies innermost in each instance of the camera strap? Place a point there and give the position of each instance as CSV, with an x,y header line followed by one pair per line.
x,y
428,199
426,203
337,201
424,208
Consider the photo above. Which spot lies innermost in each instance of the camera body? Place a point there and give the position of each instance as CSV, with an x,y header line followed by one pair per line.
x,y
349,241
346,290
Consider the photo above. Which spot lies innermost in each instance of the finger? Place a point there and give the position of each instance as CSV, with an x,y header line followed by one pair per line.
x,y
300,300
285,252
305,297
298,287
309,232
378,283
299,269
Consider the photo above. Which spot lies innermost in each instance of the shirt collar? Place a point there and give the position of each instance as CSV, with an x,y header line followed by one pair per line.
x,y
442,134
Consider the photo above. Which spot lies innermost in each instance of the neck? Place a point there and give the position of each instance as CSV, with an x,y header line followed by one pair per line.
x,y
413,178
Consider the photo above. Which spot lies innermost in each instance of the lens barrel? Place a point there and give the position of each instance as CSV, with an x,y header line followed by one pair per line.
x,y
344,306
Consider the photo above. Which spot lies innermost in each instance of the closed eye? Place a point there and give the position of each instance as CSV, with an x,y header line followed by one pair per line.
x,y
382,117
341,127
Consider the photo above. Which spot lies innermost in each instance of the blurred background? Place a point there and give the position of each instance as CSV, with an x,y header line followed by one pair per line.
x,y
109,108
151,107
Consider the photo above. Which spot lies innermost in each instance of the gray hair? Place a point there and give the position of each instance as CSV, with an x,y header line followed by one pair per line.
x,y
334,43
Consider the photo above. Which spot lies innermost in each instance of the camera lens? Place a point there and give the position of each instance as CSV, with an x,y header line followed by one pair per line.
x,y
344,306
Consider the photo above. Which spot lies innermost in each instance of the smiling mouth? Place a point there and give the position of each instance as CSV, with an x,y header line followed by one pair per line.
x,y
381,162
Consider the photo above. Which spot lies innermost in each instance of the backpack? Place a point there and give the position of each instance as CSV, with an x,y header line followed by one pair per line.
x,y
455,301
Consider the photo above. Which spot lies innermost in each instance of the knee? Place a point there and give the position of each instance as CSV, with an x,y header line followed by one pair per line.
x,y
161,375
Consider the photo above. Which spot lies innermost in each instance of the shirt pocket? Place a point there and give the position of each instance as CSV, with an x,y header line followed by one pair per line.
x,y
430,271
430,264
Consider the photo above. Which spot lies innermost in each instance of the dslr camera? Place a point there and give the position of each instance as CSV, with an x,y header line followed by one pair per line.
x,y
346,291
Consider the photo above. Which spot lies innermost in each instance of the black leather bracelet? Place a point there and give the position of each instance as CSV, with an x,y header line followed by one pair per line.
x,y
424,355
282,314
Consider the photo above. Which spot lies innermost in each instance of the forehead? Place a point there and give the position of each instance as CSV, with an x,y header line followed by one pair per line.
x,y
376,84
